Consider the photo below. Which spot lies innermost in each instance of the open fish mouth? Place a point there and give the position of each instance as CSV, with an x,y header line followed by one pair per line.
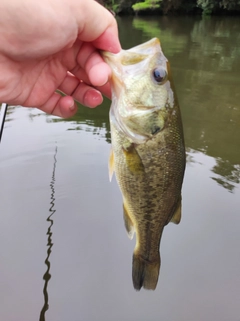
x,y
137,75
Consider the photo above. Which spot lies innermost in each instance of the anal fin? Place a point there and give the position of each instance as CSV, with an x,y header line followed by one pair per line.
x,y
128,222
176,218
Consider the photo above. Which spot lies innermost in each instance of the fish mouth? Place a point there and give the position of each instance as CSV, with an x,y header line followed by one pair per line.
x,y
132,56
128,59
127,112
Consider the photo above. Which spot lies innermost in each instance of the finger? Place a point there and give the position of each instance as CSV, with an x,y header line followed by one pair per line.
x,y
70,84
96,22
105,42
87,95
65,106
83,93
58,105
97,71
105,90
81,74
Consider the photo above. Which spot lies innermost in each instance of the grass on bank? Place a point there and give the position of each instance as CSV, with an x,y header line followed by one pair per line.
x,y
147,4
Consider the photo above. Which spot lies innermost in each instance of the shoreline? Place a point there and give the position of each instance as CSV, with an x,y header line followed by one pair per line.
x,y
154,12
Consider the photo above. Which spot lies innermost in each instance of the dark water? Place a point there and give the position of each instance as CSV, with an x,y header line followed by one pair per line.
x,y
64,253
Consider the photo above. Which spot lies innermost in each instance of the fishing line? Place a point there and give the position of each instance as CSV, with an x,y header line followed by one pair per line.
x,y
2,118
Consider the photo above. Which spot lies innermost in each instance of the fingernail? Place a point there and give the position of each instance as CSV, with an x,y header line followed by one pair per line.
x,y
72,107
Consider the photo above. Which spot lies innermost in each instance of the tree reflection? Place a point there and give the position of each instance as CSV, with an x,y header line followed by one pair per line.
x,y
91,120
10,112
229,175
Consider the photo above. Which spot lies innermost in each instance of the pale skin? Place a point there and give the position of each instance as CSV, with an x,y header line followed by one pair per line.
x,y
51,45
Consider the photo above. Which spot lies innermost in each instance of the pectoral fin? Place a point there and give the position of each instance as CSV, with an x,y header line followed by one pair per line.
x,y
128,222
176,218
111,165
133,160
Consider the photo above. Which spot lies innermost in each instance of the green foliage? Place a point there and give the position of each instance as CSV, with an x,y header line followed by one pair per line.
x,y
230,4
185,6
209,6
115,7
178,5
147,4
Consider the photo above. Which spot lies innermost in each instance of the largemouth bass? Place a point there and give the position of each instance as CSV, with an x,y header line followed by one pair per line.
x,y
148,154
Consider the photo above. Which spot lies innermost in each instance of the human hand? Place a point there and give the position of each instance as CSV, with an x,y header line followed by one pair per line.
x,y
52,45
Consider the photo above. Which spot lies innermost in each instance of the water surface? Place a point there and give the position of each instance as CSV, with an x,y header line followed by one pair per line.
x,y
64,253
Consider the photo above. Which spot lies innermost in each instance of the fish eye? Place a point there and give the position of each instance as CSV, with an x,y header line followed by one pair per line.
x,y
159,75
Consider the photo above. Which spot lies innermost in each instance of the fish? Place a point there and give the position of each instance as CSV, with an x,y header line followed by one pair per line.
x,y
148,151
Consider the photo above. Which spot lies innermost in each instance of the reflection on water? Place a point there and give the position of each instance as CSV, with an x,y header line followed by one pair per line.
x,y
225,174
47,275
10,112
228,174
95,119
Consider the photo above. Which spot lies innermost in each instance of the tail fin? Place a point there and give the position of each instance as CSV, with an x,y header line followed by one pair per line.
x,y
145,273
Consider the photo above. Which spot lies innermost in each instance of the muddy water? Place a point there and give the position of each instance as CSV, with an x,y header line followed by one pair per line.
x,y
64,253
